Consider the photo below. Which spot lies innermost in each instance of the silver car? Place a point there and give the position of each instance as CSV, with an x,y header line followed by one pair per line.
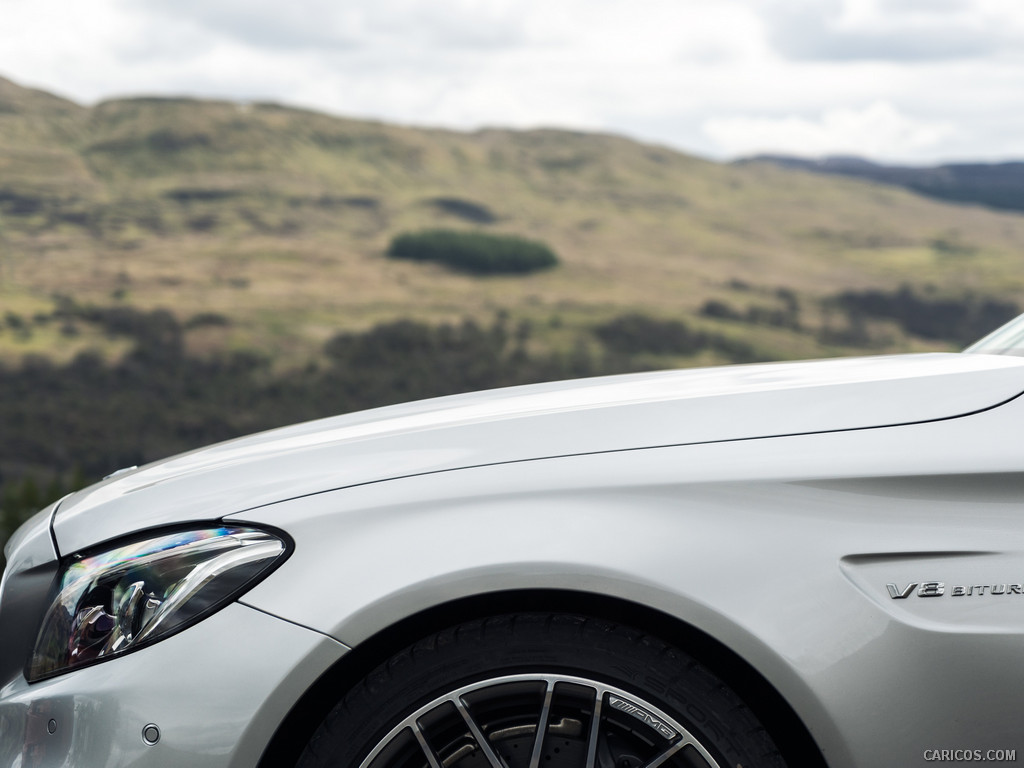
x,y
803,564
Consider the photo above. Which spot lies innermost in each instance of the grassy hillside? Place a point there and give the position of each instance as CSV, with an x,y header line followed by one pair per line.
x,y
278,219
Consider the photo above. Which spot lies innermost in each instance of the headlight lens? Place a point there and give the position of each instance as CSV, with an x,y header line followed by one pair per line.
x,y
121,599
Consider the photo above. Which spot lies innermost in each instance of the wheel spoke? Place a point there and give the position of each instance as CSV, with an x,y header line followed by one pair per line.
x,y
478,735
542,725
660,759
431,757
595,727
691,742
500,715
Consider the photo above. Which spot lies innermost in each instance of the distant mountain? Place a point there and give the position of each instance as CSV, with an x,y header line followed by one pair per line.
x,y
994,185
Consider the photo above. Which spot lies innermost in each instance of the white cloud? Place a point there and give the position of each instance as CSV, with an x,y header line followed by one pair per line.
x,y
890,30
331,25
698,75
878,131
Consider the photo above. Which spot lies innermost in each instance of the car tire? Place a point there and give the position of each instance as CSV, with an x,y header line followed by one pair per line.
x,y
472,696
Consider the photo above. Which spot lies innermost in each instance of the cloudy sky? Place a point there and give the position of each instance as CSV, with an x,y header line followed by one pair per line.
x,y
899,80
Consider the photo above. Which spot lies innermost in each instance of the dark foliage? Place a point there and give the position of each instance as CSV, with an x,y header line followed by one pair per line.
x,y
207,320
171,140
720,310
348,201
205,222
20,203
474,252
638,334
407,360
961,320
464,209
14,321
200,194
156,330
785,316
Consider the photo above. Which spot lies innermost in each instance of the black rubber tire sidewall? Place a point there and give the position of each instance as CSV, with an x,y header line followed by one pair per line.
x,y
587,647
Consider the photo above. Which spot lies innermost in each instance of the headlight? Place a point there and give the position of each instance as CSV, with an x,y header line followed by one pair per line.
x,y
115,601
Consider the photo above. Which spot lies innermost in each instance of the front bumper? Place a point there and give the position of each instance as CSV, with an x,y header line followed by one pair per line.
x,y
216,691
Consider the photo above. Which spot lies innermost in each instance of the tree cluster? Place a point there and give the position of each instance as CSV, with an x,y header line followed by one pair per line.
x,y
474,252
958,319
634,334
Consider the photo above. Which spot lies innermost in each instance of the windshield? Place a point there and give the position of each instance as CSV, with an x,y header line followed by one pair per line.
x,y
1007,340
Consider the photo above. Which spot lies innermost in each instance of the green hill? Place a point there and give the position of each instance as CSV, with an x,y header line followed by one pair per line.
x,y
279,220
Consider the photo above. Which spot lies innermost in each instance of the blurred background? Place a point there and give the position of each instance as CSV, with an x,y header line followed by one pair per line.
x,y
220,216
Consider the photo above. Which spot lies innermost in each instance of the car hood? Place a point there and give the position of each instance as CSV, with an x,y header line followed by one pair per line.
x,y
537,421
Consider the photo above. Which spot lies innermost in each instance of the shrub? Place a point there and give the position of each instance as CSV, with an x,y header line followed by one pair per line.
x,y
786,316
638,334
959,320
720,310
207,320
464,209
474,252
